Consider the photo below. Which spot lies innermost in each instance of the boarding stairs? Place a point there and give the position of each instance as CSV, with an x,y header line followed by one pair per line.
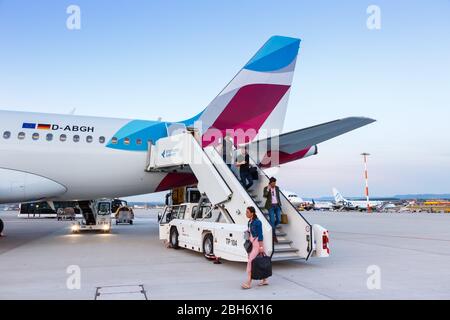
x,y
87,212
182,152
283,248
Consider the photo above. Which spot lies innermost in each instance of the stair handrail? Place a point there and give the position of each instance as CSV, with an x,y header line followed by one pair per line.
x,y
273,231
289,203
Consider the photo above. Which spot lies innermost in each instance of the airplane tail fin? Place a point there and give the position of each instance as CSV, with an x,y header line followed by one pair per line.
x,y
257,97
338,196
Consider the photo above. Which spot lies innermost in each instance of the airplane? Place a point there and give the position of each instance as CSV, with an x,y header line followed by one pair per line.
x,y
323,205
361,205
295,199
67,157
307,204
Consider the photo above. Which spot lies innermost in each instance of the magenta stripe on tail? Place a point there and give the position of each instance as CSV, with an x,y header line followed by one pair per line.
x,y
248,109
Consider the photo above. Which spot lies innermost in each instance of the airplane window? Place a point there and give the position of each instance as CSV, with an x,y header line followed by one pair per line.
x,y
101,139
126,141
138,141
89,139
6,134
114,140
35,136
49,137
76,138
21,135
63,137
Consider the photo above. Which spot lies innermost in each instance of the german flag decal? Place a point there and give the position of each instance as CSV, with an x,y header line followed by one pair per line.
x,y
44,126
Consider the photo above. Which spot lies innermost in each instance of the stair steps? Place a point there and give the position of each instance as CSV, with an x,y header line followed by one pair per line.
x,y
283,241
276,258
280,250
280,233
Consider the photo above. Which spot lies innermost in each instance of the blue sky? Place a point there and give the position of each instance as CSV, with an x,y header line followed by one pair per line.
x,y
169,59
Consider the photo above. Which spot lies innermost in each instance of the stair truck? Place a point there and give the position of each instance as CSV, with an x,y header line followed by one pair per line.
x,y
96,216
216,225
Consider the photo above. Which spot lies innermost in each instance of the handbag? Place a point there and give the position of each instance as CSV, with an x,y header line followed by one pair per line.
x,y
284,218
248,245
261,267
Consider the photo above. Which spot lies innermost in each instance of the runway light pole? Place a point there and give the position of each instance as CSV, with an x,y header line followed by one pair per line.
x,y
366,176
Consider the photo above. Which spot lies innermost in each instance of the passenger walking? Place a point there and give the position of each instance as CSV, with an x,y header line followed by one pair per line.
x,y
227,149
256,238
273,204
244,169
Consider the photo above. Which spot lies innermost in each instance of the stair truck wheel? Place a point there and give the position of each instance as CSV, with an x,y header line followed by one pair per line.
x,y
174,238
131,221
1,226
208,246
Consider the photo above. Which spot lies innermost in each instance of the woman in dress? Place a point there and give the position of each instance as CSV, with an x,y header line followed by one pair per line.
x,y
256,238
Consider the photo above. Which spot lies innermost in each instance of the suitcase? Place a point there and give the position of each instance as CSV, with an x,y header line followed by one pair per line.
x,y
254,173
261,267
284,218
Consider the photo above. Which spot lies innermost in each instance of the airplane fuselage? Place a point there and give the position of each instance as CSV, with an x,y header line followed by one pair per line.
x,y
358,204
43,154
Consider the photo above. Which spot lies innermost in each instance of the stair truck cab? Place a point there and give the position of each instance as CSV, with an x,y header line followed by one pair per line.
x,y
97,217
203,228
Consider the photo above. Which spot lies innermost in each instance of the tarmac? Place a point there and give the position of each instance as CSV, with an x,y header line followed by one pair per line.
x,y
373,256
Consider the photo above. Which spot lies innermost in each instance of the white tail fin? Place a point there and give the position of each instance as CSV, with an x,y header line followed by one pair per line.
x,y
257,97
338,196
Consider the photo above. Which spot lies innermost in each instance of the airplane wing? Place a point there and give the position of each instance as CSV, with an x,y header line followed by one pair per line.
x,y
302,143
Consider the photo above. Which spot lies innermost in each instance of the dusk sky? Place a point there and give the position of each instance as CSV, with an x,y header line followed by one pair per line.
x,y
169,59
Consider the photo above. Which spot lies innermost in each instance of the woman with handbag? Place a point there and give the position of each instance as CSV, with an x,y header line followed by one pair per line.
x,y
254,245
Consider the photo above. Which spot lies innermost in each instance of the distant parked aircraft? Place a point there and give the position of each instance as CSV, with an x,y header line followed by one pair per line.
x,y
295,199
361,205
323,205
